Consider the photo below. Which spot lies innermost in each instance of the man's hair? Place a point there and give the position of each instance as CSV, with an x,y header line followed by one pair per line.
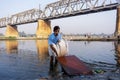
x,y
56,28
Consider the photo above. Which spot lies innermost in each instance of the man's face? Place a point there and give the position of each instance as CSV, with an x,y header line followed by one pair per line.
x,y
56,32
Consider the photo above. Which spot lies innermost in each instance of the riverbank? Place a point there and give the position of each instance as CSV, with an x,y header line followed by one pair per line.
x,y
94,39
21,38
91,38
67,38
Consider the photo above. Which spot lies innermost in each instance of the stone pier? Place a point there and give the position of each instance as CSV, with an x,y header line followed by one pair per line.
x,y
43,29
11,31
117,30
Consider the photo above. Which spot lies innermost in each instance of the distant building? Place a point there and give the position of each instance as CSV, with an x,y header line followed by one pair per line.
x,y
31,35
22,34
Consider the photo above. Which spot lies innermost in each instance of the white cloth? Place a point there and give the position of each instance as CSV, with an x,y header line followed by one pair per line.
x,y
61,48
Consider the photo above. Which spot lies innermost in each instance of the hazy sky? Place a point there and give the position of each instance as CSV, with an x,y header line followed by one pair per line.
x,y
101,22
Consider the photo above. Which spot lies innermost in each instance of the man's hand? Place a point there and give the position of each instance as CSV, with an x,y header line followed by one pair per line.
x,y
54,50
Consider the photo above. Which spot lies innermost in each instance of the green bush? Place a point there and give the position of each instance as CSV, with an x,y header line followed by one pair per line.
x,y
11,37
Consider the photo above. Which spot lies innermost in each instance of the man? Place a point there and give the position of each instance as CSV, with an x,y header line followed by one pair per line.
x,y
53,39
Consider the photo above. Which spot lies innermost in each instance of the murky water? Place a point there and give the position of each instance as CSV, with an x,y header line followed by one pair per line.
x,y
29,59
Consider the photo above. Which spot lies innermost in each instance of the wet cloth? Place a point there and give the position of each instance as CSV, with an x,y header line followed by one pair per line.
x,y
61,48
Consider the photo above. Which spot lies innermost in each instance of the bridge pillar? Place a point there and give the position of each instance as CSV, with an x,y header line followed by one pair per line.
x,y
11,31
117,31
43,29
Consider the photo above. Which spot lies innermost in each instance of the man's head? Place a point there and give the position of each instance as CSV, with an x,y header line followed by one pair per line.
x,y
56,30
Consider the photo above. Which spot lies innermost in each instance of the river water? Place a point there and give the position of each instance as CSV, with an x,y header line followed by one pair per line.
x,y
29,59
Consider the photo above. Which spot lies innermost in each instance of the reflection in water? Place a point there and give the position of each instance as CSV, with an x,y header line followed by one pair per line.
x,y
117,51
12,46
42,49
33,63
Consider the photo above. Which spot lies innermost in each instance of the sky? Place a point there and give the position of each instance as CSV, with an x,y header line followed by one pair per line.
x,y
101,22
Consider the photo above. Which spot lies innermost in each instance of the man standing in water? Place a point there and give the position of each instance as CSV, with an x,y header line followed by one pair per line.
x,y
53,39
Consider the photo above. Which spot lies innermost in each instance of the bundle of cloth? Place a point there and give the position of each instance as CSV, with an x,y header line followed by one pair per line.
x,y
61,48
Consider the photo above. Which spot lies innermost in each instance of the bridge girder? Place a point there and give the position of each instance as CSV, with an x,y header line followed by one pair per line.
x,y
61,8
64,8
21,18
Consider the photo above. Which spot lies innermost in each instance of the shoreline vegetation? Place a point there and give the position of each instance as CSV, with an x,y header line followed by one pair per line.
x,y
67,38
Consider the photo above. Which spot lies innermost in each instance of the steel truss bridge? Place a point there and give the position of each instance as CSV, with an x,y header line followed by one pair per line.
x,y
60,9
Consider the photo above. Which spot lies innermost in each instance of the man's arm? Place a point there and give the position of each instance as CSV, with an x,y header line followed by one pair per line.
x,y
51,44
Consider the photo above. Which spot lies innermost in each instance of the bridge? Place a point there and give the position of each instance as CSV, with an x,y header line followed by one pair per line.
x,y
59,9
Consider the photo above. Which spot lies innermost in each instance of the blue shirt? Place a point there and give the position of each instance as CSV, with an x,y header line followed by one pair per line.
x,y
54,39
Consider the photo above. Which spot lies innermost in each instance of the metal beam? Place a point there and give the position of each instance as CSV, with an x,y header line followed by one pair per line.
x,y
60,9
